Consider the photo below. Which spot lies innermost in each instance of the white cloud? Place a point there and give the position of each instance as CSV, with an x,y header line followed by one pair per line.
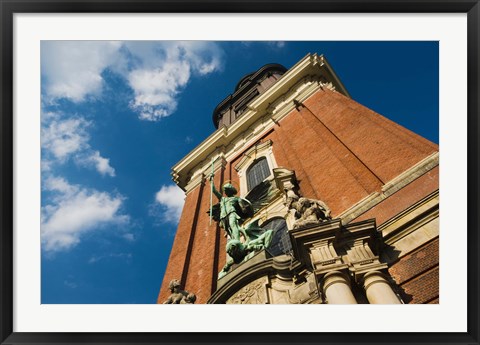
x,y
75,211
156,90
277,44
46,165
129,237
65,137
205,57
70,284
73,69
171,198
101,164
157,72
60,185
163,71
95,258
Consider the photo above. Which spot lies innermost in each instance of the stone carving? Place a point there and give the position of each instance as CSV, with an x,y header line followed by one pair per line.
x,y
288,292
231,212
310,211
304,211
278,289
178,295
291,197
253,293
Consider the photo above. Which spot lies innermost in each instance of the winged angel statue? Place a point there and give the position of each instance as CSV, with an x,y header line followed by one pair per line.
x,y
230,213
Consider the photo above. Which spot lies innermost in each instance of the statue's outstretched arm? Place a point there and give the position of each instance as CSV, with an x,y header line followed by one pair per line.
x,y
214,190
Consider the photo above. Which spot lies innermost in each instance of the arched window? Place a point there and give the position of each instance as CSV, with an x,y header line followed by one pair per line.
x,y
257,172
281,240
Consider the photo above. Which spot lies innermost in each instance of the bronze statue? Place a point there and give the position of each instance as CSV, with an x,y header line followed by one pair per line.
x,y
238,250
231,212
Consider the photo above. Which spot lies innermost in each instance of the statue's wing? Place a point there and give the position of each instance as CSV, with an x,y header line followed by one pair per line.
x,y
261,194
215,212
244,208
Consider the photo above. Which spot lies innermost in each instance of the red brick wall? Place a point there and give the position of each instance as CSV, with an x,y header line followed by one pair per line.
x,y
385,147
179,256
340,151
321,174
197,248
399,201
417,274
201,269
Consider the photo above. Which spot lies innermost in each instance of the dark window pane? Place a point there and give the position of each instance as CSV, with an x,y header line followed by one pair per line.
x,y
257,172
281,241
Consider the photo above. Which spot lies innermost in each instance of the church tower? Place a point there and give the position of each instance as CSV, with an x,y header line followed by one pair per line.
x,y
331,202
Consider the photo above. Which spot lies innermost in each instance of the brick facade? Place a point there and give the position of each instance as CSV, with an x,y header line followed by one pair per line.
x,y
341,153
417,274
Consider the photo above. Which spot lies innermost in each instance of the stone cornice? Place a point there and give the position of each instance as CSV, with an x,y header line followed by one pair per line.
x,y
313,71
412,218
391,187
425,165
197,179
311,65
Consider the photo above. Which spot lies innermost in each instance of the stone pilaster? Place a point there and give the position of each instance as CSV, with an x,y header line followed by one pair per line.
x,y
378,289
315,247
344,255
336,288
362,245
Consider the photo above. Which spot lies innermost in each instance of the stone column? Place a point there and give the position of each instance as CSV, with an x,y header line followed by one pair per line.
x,y
336,287
378,289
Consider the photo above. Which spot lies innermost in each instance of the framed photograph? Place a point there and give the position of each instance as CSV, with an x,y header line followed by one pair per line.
x,y
284,156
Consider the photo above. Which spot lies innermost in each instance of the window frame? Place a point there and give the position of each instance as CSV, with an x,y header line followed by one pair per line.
x,y
256,152
259,170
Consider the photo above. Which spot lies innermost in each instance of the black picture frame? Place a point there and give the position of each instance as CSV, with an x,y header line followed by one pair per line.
x,y
9,8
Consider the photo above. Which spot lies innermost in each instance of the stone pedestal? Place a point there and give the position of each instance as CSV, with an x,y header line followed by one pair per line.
x,y
336,287
378,289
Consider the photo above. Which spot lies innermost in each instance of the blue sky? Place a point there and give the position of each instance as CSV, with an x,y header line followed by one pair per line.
x,y
116,116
